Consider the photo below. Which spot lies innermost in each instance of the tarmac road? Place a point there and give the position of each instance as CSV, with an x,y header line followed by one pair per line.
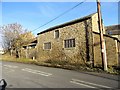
x,y
20,75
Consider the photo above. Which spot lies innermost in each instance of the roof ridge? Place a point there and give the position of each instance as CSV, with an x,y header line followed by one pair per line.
x,y
113,25
67,23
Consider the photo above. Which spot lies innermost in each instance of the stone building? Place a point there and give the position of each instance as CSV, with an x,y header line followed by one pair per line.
x,y
113,30
73,43
112,50
29,50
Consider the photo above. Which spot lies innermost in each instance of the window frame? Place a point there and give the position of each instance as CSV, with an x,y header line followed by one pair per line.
x,y
69,43
44,47
56,34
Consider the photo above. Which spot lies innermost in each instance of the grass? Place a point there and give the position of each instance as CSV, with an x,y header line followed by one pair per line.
x,y
9,58
111,70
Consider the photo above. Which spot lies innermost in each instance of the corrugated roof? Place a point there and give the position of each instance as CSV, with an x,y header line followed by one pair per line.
x,y
67,23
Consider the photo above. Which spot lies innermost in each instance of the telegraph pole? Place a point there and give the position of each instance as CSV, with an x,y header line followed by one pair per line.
x,y
102,41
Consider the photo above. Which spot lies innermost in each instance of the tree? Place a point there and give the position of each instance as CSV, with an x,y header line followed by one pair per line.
x,y
14,36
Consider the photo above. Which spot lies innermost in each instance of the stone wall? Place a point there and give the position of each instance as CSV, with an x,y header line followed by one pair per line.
x,y
80,54
119,53
111,50
28,53
95,23
87,50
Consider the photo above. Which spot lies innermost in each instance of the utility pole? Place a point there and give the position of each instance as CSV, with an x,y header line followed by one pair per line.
x,y
102,41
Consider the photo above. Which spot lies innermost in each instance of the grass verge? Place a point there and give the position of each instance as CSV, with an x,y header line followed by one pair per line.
x,y
111,70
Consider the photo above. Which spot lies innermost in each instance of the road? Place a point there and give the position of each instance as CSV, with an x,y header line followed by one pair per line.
x,y
20,75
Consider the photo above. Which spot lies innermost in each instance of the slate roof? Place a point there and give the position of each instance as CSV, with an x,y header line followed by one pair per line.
x,y
113,29
32,43
67,23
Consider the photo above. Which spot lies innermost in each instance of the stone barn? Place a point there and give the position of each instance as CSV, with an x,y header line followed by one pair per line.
x,y
71,43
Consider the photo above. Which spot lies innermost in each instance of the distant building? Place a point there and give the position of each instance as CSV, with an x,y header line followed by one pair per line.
x,y
113,30
29,50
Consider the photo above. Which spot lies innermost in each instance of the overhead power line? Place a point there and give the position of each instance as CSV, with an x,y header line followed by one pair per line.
x,y
59,16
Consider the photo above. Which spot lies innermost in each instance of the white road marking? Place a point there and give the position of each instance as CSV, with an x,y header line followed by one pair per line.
x,y
10,66
37,72
92,84
82,84
9,70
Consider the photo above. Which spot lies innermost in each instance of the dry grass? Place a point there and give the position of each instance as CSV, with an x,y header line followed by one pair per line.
x,y
59,64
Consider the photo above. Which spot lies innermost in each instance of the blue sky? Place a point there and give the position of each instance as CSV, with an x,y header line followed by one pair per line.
x,y
34,14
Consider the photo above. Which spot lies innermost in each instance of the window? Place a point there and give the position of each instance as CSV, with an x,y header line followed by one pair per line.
x,y
56,34
110,32
33,46
47,45
69,43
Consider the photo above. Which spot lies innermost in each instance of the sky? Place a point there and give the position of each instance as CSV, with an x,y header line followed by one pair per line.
x,y
31,15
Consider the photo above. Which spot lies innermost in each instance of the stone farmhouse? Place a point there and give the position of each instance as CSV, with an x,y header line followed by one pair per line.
x,y
74,43
71,42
